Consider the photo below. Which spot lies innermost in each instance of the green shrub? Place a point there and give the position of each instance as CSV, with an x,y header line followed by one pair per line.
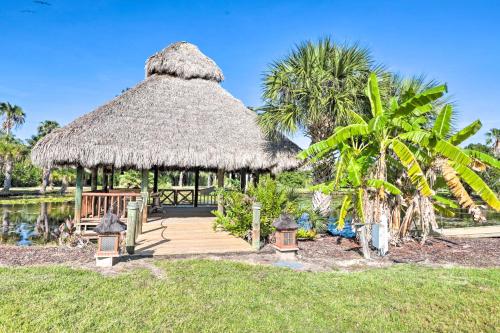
x,y
306,234
237,220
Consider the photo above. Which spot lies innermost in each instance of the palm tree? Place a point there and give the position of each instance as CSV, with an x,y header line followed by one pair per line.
x,y
13,116
493,139
11,150
43,129
312,90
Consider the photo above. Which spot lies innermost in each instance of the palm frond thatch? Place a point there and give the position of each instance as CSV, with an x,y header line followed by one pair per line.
x,y
178,117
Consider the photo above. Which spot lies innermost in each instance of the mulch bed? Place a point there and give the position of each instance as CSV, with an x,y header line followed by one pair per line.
x,y
11,255
476,252
327,252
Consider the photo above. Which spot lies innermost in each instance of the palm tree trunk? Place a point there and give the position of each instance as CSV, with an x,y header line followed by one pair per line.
x,y
93,180
7,183
45,180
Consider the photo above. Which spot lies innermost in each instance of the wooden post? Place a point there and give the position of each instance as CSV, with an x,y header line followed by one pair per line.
x,y
155,179
132,221
255,178
243,180
93,180
104,179
220,185
138,227
145,194
78,194
196,185
256,226
112,177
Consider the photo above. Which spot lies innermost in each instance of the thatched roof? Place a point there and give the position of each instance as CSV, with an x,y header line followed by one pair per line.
x,y
178,117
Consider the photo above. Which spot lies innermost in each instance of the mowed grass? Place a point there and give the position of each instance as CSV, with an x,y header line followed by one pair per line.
x,y
220,296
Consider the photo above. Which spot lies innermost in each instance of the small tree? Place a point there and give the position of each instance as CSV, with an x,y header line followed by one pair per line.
x,y
14,116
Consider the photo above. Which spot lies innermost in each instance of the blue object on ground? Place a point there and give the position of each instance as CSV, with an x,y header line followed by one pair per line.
x,y
346,232
304,223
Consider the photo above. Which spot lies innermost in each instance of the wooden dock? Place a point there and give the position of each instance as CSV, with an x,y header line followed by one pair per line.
x,y
472,232
186,231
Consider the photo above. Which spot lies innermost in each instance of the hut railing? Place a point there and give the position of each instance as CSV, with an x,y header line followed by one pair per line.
x,y
96,204
180,197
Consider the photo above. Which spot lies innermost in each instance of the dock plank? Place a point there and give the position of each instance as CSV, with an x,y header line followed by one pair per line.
x,y
186,235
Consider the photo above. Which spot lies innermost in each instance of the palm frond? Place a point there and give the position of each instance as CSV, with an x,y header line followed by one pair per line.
x,y
478,185
374,95
379,183
443,210
340,135
420,100
445,201
415,173
483,157
465,133
442,124
455,185
452,152
344,209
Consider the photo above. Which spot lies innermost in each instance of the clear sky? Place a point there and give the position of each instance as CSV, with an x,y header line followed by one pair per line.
x,y
63,59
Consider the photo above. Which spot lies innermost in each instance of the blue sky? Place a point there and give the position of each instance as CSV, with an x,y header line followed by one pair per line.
x,y
62,60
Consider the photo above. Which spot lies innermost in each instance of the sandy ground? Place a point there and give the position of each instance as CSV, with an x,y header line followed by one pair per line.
x,y
325,254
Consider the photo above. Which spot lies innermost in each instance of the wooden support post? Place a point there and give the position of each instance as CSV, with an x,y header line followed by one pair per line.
x,y
196,187
93,180
132,221
256,226
255,178
145,194
243,180
155,179
104,179
112,177
78,194
220,184
138,227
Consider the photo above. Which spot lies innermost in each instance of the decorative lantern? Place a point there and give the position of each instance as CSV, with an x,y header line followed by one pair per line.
x,y
108,240
286,236
108,245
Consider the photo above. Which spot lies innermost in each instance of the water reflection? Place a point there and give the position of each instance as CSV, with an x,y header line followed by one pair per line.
x,y
33,223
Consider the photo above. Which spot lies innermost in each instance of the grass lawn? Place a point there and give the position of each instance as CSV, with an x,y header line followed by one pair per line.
x,y
218,296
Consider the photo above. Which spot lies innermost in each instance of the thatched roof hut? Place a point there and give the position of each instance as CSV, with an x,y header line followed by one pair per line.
x,y
178,117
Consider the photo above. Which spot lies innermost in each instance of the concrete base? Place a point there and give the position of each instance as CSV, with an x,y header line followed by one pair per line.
x,y
288,255
105,261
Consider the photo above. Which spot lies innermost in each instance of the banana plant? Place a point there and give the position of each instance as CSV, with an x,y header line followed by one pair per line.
x,y
363,147
455,164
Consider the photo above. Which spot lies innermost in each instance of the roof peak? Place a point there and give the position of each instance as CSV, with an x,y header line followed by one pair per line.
x,y
184,60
